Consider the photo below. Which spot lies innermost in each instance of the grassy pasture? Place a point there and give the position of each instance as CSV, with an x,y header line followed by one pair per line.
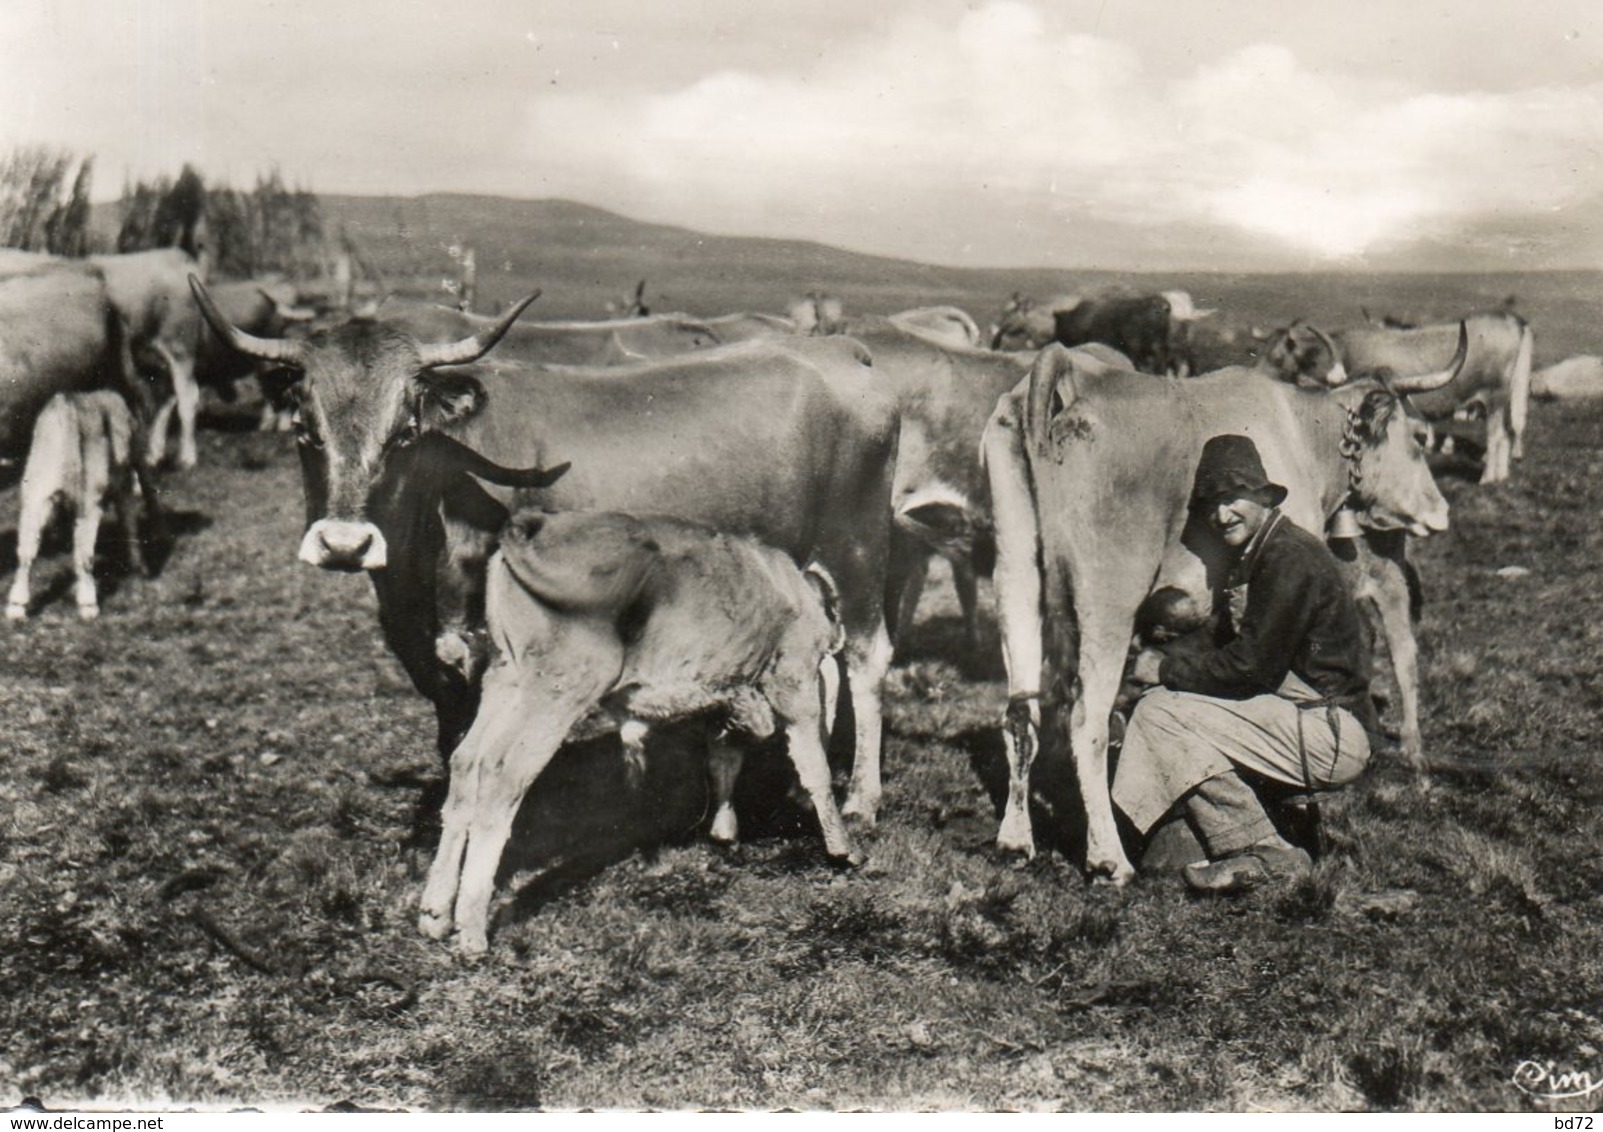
x,y
211,851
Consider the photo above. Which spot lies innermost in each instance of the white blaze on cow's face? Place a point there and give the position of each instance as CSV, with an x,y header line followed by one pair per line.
x,y
355,403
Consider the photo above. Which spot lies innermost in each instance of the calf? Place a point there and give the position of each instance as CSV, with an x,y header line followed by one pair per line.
x,y
624,622
82,457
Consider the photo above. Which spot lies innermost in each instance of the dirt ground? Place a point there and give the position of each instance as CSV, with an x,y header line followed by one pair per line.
x,y
213,829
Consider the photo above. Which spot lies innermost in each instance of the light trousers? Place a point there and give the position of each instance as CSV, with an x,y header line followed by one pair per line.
x,y
1177,741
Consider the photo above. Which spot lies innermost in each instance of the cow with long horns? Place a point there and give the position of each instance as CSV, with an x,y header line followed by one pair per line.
x,y
788,442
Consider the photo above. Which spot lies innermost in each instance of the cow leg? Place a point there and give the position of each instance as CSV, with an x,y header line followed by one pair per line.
x,y
905,575
724,759
521,724
435,916
805,736
908,577
125,504
30,529
868,659
1017,580
157,439
524,716
968,600
188,391
1498,446
633,736
186,395
1386,591
95,486
52,460
829,689
1104,647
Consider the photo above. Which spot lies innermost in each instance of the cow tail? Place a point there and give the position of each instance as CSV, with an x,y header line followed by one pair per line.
x,y
829,595
1519,401
1053,370
1052,387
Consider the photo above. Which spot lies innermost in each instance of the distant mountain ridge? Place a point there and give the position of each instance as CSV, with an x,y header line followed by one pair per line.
x,y
585,257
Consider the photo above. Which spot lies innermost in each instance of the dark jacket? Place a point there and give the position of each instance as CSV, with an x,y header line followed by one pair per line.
x,y
1300,617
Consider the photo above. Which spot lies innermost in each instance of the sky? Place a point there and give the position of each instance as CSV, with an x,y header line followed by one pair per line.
x,y
1135,134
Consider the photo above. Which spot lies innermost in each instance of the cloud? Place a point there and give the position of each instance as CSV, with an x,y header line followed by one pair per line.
x,y
917,138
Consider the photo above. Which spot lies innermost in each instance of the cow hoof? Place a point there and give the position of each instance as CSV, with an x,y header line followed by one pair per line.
x,y
16,613
860,815
433,925
88,612
851,859
725,829
1111,874
473,945
1015,836
1011,848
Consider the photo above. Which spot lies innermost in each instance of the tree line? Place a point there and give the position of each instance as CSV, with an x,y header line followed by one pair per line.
x,y
273,227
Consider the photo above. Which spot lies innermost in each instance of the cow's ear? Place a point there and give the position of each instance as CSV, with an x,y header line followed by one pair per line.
x,y
445,398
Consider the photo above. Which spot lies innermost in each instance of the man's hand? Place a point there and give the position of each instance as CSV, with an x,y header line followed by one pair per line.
x,y
1145,668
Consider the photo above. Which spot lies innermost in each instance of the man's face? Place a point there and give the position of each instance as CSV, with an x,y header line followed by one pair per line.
x,y
1238,517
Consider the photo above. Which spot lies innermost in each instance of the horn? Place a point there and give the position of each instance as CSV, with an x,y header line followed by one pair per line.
x,y
475,346
458,456
1425,382
267,349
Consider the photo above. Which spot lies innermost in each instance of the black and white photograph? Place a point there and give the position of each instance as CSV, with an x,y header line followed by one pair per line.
x,y
955,556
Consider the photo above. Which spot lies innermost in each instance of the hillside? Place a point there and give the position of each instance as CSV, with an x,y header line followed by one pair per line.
x,y
582,258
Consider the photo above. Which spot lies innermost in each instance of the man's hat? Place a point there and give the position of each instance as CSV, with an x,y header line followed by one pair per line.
x,y
1230,465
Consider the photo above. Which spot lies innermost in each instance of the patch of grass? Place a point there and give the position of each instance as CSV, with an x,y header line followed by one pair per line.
x,y
149,854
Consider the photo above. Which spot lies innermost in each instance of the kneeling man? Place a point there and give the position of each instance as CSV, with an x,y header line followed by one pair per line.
x,y
1284,696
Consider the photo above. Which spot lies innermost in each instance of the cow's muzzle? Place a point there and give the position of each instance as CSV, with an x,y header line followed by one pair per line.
x,y
344,544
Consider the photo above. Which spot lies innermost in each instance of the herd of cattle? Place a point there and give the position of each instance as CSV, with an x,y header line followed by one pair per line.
x,y
582,527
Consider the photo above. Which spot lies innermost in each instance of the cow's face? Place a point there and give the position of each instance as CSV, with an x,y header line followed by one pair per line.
x,y
1393,484
360,392
1305,355
363,394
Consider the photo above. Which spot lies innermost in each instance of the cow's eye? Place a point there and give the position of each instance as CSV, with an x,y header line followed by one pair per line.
x,y
407,433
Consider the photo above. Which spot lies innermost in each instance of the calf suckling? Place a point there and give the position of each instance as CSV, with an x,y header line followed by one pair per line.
x,y
601,620
82,457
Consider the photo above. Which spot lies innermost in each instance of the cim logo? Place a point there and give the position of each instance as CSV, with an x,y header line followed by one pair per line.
x,y
1548,1083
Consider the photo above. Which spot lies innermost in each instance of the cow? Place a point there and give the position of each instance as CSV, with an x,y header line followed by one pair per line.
x,y
1575,378
1026,325
83,457
632,307
1090,470
791,443
1137,326
1184,314
1496,377
151,291
751,327
944,395
604,342
950,326
59,333
817,312
627,621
